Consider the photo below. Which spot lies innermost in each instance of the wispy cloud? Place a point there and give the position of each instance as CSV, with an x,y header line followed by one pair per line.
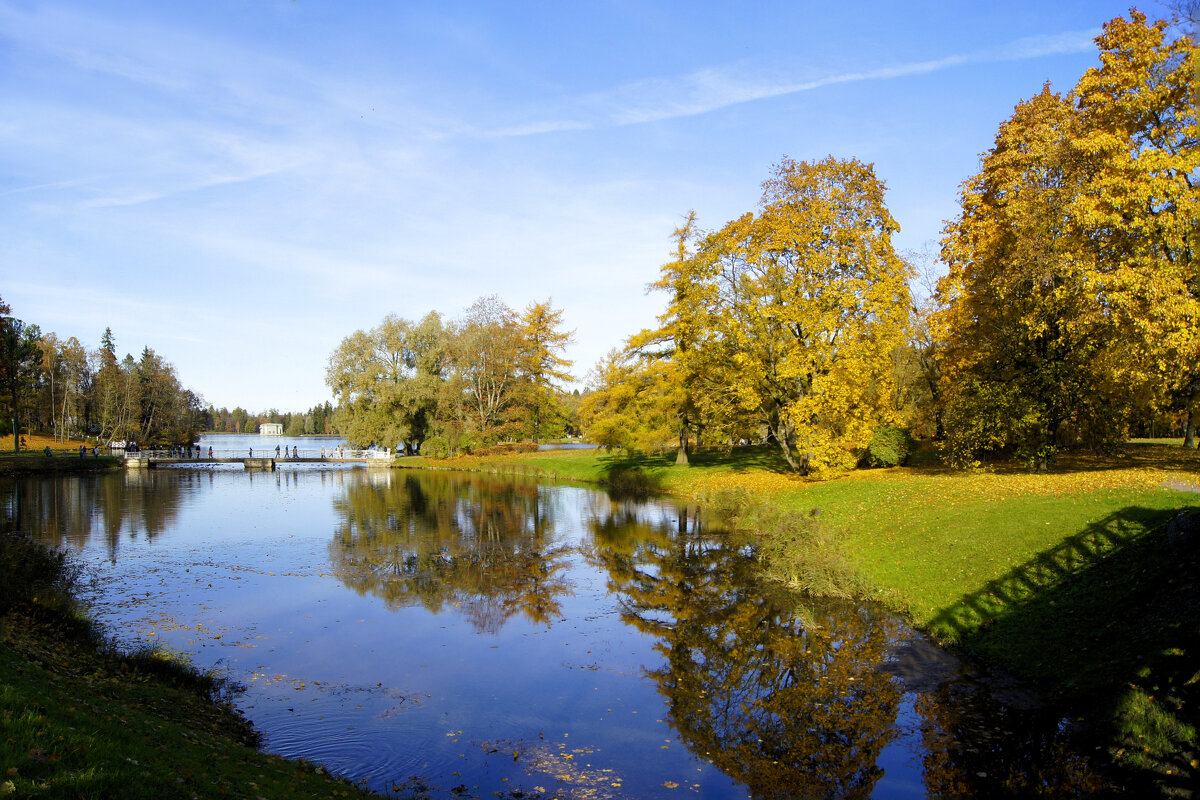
x,y
712,89
1051,44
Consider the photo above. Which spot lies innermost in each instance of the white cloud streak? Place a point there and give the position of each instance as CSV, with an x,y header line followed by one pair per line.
x,y
716,88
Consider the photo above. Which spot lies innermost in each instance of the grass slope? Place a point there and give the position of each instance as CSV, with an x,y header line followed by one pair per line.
x,y
32,459
79,720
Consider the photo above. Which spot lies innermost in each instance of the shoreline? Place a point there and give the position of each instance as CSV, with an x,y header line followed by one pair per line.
x,y
1072,582
17,466
1107,632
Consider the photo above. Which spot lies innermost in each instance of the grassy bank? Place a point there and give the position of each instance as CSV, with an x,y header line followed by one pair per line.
x,y
1068,580
80,719
64,457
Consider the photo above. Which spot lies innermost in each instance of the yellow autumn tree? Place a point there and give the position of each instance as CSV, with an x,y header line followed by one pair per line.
x,y
810,302
632,402
686,350
1071,301
1018,337
1138,209
542,364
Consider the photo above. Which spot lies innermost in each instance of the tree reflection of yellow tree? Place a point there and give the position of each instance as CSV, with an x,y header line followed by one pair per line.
x,y
481,545
69,510
975,749
789,708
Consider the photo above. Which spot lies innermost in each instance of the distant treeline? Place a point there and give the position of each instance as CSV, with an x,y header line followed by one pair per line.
x,y
316,420
60,387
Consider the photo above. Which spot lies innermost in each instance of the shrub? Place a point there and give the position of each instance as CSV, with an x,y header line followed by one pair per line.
x,y
795,549
889,447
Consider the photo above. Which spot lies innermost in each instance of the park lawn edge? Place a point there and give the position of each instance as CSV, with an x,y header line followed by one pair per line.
x,y
81,718
64,458
1063,580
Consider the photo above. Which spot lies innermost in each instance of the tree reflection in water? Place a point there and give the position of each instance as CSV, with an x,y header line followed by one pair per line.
x,y
71,509
480,545
787,700
975,749
791,700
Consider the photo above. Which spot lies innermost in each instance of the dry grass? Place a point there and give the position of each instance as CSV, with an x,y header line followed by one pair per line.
x,y
36,442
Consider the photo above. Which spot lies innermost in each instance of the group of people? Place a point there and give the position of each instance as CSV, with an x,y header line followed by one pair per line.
x,y
83,450
182,451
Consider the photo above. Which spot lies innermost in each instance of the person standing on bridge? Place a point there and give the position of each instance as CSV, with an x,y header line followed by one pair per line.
x,y
210,451
277,451
294,451
252,452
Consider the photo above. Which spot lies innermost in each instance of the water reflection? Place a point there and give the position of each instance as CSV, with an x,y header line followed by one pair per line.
x,y
480,546
790,708
973,747
71,510
612,631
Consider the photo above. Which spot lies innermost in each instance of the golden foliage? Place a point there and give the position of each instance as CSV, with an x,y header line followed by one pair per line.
x,y
1072,299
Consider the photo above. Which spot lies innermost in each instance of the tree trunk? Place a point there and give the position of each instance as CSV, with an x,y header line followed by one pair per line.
x,y
785,446
1193,404
53,408
681,457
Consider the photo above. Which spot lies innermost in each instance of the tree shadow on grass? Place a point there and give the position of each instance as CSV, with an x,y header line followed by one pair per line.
x,y
632,475
1109,621
745,459
1130,455
739,459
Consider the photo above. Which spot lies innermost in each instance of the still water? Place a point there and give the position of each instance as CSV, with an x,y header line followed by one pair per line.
x,y
460,635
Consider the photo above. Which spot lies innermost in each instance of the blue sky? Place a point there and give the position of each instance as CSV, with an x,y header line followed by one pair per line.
x,y
240,184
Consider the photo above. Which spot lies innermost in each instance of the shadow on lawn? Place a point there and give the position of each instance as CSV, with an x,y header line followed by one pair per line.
x,y
640,475
1131,455
1109,620
739,459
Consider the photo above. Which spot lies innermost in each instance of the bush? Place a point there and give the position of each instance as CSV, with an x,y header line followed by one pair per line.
x,y
795,549
889,447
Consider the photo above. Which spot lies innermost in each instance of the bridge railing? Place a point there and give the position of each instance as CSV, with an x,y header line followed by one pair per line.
x,y
204,453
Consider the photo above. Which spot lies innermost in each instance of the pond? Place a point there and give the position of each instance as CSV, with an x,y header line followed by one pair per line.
x,y
438,634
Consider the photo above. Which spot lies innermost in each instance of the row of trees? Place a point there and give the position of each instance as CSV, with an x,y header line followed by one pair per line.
x,y
316,420
1071,306
59,386
780,325
493,376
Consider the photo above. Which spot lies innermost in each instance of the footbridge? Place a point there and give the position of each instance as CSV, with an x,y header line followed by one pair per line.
x,y
266,459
